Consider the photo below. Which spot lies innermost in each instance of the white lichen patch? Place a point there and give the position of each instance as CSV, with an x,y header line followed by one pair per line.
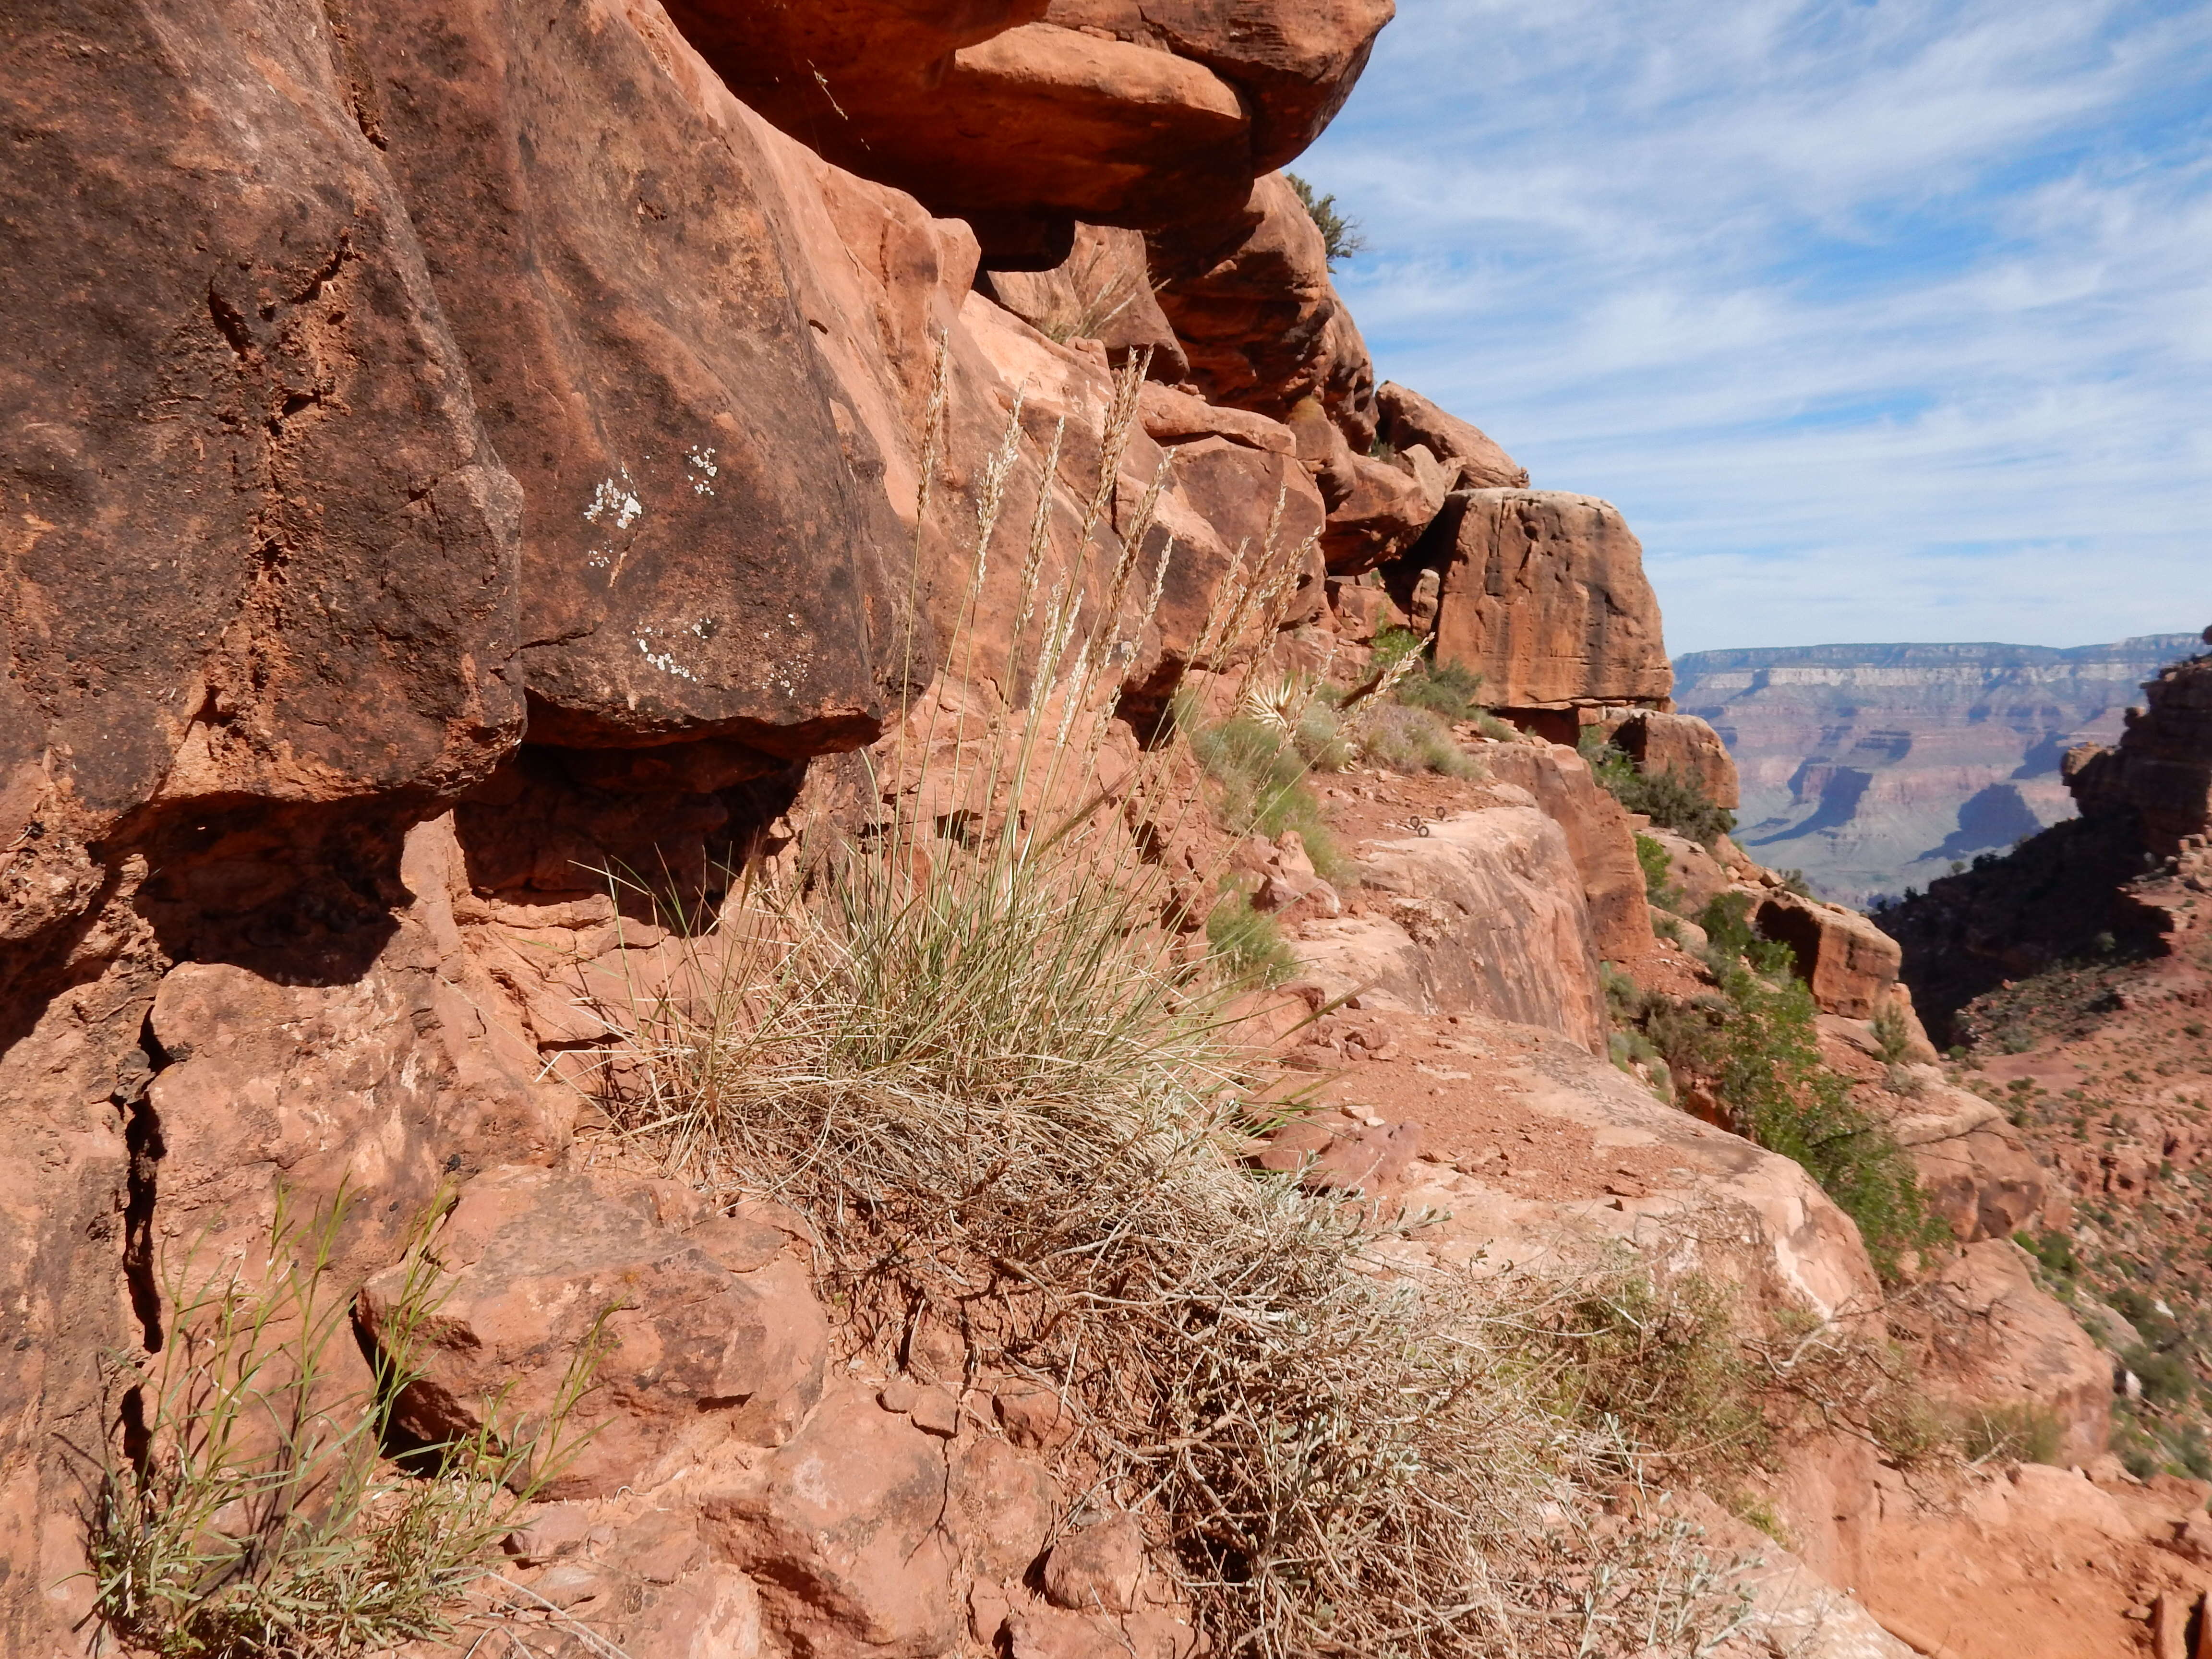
x,y
615,506
661,658
701,461
615,499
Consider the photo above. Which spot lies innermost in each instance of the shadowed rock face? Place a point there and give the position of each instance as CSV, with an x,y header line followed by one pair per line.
x,y
418,395
1872,767
381,388
2085,890
2162,772
1023,117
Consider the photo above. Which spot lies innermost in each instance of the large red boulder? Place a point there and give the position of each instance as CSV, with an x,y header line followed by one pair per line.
x,y
1601,839
250,492
628,313
1389,505
1847,961
1259,319
1022,117
1294,61
1545,596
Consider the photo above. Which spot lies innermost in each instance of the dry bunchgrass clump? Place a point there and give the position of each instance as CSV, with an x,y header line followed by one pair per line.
x,y
1015,1110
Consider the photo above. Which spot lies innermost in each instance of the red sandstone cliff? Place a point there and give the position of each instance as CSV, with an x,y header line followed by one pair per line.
x,y
454,453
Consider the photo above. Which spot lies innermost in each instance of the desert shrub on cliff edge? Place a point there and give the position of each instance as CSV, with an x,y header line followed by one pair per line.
x,y
1339,236
1753,1040
1449,690
1015,1110
1261,769
1651,858
1672,799
1710,1391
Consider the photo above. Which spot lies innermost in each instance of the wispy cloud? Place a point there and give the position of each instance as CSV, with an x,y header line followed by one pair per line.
x,y
1879,320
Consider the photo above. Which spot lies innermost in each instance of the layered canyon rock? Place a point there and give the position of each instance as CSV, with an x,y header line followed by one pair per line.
x,y
2160,774
1873,767
690,1338
2119,881
1022,117
1545,596
1408,418
474,476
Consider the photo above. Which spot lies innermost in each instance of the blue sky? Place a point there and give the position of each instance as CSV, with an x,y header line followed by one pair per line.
x,y
1880,321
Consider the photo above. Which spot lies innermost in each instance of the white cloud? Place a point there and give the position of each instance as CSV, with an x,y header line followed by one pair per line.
x,y
1880,321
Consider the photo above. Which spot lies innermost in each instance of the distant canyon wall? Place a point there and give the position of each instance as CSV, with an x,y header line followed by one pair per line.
x,y
1872,767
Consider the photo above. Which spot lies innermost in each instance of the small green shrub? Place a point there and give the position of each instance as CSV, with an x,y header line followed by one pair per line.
x,y
1892,1036
1652,859
263,1519
1760,1512
1674,1368
1339,236
2139,1451
1261,776
1756,1042
1727,921
1631,1049
1320,740
2022,1433
1412,739
1779,1094
1247,942
1909,1427
1672,800
2165,1377
1449,692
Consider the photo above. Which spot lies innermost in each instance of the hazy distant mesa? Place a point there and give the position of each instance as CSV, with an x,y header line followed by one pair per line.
x,y
1872,767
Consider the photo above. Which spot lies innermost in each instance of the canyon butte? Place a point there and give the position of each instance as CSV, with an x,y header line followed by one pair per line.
x,y
487,486
1875,768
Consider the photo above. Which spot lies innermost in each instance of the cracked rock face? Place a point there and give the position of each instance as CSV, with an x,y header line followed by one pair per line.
x,y
254,497
694,1338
